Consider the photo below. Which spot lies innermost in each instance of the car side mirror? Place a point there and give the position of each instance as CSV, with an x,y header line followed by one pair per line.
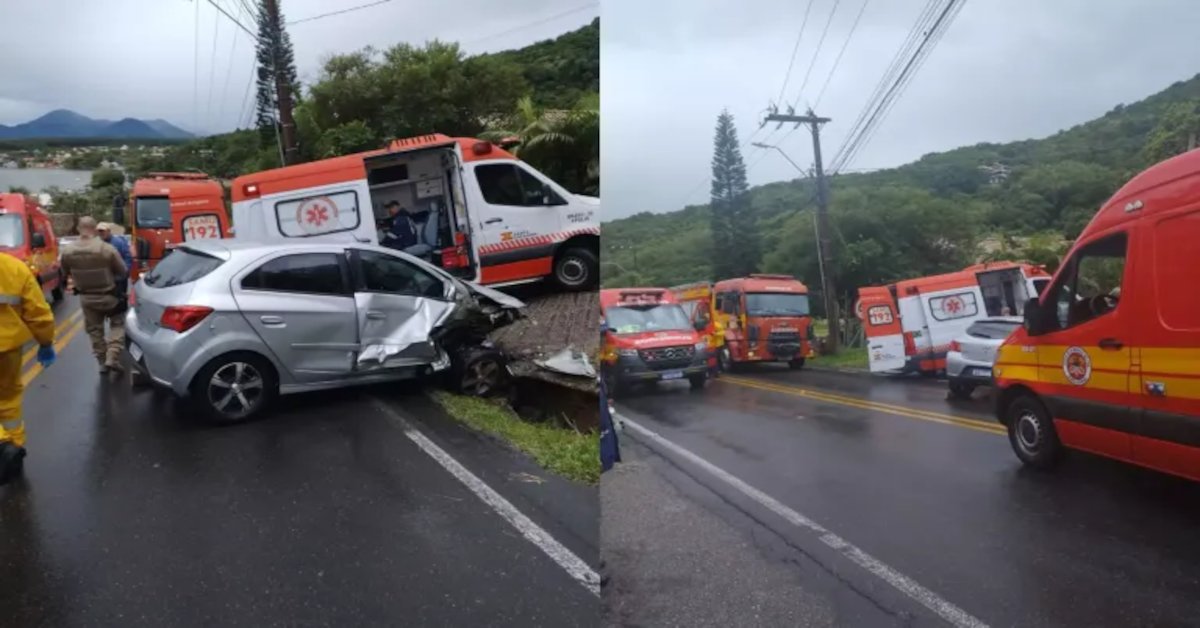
x,y
38,241
118,209
1034,318
700,325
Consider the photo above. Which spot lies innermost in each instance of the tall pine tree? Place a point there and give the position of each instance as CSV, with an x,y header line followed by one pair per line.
x,y
735,236
274,47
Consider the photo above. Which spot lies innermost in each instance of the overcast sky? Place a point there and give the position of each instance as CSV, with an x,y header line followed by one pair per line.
x,y
1006,70
136,58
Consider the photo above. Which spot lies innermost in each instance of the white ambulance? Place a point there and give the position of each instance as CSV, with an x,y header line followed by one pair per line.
x,y
910,324
492,218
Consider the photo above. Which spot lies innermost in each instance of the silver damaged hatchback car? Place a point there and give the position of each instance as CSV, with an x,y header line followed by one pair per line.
x,y
230,325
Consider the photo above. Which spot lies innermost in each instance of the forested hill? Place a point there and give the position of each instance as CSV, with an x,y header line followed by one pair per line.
x,y
1027,198
561,70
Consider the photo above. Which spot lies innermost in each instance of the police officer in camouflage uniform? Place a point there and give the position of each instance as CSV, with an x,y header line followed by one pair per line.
x,y
95,268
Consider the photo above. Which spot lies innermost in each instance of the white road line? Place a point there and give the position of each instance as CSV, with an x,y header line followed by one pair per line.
x,y
901,582
557,552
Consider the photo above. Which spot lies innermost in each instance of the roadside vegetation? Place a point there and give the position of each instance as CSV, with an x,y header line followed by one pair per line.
x,y
566,452
847,358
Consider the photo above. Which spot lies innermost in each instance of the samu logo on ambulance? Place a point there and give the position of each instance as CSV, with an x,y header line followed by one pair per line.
x,y
1077,366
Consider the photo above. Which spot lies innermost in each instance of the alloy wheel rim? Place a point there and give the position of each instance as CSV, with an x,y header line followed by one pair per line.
x,y
482,377
235,389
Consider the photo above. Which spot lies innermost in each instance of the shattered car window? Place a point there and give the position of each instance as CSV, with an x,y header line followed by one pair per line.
x,y
386,273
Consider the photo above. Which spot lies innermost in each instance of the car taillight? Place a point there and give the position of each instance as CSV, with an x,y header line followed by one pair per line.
x,y
181,318
954,346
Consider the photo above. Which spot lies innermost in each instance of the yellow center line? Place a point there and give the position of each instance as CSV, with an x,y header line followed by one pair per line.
x,y
58,330
855,402
58,347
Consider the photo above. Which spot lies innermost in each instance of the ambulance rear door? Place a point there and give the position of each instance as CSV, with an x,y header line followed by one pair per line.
x,y
950,312
881,322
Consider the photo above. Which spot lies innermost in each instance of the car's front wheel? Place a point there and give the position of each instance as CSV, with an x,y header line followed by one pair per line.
x,y
698,382
1031,432
235,388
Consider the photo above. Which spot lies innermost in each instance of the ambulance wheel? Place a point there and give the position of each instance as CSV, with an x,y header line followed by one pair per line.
x,y
1031,433
235,387
796,364
577,268
698,382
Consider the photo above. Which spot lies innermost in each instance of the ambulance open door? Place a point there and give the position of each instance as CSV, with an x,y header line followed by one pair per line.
x,y
881,322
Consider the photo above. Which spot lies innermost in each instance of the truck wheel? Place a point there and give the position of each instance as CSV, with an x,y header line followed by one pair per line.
x,y
698,382
961,390
235,388
577,269
1031,433
796,364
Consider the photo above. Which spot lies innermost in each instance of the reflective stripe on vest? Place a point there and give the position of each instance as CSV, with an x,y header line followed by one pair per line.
x,y
10,299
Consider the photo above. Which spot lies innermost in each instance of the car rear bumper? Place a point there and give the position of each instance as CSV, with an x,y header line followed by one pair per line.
x,y
156,353
962,369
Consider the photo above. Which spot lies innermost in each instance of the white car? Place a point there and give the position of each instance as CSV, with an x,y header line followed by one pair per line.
x,y
971,356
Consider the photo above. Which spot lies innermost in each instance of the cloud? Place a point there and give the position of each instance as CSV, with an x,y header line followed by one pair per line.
x,y
1004,71
137,58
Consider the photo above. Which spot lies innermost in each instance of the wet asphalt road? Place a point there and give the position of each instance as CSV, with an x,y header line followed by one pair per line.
x,y
133,513
945,503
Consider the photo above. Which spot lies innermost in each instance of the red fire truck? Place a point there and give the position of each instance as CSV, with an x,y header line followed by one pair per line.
x,y
766,318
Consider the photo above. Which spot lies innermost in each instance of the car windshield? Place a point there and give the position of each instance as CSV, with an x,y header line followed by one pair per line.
x,y
638,319
154,212
12,231
992,330
776,304
180,267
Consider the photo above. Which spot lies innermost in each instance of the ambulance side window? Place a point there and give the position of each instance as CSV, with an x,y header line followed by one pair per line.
x,y
512,185
1091,285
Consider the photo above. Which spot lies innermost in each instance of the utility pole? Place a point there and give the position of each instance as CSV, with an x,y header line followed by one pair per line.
x,y
825,246
283,90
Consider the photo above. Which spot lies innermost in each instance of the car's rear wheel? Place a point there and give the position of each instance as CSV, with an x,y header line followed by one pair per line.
x,y
1031,433
961,389
235,388
577,268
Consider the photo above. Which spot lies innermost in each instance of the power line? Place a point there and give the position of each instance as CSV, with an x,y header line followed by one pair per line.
x,y
212,68
324,15
196,70
932,37
816,52
796,48
535,23
228,74
231,18
841,52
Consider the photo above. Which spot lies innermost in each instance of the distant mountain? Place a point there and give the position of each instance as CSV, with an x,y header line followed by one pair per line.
x,y
66,124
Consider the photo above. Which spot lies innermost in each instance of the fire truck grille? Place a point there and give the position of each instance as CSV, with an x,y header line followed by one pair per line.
x,y
668,357
784,343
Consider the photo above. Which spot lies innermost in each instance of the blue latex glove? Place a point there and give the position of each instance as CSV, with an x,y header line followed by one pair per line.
x,y
46,356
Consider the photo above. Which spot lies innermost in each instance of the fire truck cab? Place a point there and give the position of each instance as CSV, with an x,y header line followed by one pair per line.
x,y
648,338
489,217
169,208
910,324
1108,360
766,318
698,303
27,234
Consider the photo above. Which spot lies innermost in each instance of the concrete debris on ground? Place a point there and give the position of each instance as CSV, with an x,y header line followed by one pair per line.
x,y
569,362
553,323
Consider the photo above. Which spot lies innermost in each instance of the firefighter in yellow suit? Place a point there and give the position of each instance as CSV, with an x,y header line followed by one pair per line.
x,y
24,313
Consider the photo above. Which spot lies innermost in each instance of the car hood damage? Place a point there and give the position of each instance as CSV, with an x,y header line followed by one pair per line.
x,y
436,328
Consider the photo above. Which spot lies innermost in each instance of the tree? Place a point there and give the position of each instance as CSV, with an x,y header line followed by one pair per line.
x,y
565,145
274,50
19,189
1177,131
735,238
107,178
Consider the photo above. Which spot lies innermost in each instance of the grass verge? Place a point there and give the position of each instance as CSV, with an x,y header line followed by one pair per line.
x,y
844,359
568,453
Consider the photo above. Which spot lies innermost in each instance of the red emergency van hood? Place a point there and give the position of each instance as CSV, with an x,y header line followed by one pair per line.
x,y
656,339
